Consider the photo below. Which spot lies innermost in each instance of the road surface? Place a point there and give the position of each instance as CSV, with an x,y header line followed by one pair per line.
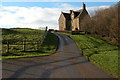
x,y
66,63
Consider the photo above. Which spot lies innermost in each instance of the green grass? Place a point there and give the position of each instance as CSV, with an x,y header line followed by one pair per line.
x,y
98,51
50,43
17,35
33,37
108,61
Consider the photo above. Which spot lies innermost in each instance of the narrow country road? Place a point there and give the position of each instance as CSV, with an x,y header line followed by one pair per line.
x,y
66,63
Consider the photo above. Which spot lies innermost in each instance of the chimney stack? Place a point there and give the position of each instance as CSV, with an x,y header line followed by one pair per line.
x,y
71,11
84,6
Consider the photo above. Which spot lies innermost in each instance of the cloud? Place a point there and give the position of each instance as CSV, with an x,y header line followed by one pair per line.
x,y
32,17
92,10
35,17
66,7
59,0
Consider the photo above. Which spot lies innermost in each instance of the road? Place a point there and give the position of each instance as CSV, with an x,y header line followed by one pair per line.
x,y
66,63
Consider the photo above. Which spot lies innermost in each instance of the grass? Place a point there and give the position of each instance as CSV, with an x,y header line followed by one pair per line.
x,y
99,52
33,37
50,43
17,35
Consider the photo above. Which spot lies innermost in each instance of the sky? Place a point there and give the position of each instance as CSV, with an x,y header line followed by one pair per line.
x,y
41,14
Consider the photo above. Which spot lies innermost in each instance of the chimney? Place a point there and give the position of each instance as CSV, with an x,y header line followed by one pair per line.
x,y
71,11
84,6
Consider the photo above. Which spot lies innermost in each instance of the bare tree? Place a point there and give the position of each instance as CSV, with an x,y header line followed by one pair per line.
x,y
104,23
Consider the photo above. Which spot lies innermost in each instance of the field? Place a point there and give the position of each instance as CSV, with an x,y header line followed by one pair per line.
x,y
99,52
25,42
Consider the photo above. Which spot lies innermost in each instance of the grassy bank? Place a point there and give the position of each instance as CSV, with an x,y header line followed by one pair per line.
x,y
32,37
99,52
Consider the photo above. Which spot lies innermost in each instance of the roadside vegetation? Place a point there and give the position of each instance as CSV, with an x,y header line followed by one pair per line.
x,y
32,43
104,24
98,51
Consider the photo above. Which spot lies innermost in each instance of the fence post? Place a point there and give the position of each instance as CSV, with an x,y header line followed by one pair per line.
x,y
37,45
8,47
24,45
43,37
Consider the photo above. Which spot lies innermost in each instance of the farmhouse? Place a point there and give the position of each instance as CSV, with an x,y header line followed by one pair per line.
x,y
72,21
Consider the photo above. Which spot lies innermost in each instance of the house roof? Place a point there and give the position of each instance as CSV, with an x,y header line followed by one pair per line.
x,y
67,16
81,13
76,13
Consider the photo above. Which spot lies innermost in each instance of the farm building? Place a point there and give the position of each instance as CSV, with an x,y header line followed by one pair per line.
x,y
72,21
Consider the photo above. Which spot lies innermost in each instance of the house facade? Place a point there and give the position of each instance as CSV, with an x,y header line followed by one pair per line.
x,y
72,21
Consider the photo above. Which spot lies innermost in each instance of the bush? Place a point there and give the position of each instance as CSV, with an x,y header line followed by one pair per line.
x,y
104,24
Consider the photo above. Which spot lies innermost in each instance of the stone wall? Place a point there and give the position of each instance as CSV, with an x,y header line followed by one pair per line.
x,y
62,22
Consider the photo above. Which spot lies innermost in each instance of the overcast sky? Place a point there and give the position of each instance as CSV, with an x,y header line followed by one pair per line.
x,y
41,14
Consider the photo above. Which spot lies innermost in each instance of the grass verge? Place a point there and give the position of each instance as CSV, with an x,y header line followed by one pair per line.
x,y
48,47
99,52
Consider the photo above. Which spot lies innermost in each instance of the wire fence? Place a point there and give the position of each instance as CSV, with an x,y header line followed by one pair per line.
x,y
21,39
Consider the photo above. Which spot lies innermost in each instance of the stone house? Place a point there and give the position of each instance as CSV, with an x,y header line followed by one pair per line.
x,y
71,21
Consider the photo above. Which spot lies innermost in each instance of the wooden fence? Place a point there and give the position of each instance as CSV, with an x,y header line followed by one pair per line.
x,y
22,45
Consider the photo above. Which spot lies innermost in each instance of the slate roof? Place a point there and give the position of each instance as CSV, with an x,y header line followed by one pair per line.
x,y
67,16
76,14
